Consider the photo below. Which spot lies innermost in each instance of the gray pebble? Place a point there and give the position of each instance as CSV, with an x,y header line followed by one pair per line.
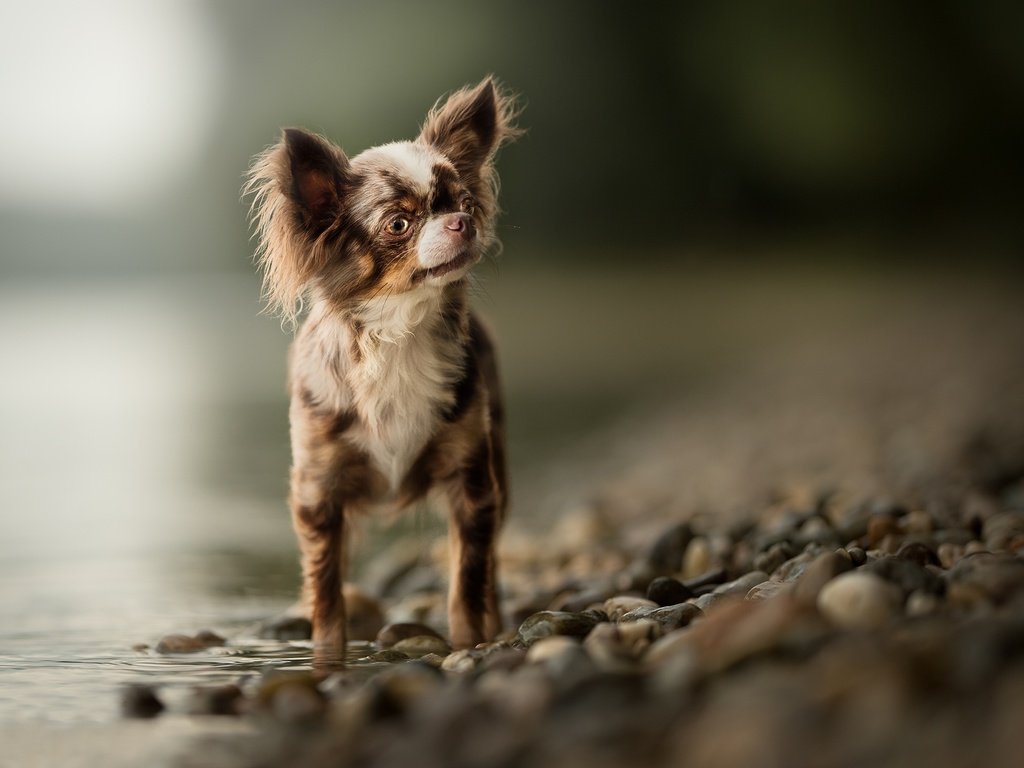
x,y
140,701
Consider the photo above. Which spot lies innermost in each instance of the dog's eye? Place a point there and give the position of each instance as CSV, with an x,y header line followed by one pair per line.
x,y
466,205
398,225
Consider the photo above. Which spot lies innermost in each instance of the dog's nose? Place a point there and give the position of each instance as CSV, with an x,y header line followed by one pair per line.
x,y
461,223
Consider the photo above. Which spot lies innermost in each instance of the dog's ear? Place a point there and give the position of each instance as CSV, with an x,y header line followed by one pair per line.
x,y
470,125
298,188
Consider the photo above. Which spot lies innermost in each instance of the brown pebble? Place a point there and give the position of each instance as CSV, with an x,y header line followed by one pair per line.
x,y
392,633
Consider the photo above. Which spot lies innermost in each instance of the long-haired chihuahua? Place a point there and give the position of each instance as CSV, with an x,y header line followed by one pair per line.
x,y
393,381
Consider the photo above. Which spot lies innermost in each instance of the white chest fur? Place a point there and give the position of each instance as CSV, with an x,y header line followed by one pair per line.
x,y
396,372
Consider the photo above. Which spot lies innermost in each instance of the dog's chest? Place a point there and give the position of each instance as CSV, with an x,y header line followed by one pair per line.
x,y
400,389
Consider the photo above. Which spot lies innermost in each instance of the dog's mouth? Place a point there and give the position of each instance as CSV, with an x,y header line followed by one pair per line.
x,y
459,261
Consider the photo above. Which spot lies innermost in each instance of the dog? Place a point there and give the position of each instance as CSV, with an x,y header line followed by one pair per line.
x,y
392,378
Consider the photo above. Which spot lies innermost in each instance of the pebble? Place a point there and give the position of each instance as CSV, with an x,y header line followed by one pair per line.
x,y
619,606
697,560
286,628
364,615
769,589
421,645
388,656
818,573
986,578
906,574
189,643
292,698
665,590
669,616
1002,529
462,661
392,633
774,556
918,552
859,600
216,700
665,556
742,585
618,647
139,701
546,623
706,579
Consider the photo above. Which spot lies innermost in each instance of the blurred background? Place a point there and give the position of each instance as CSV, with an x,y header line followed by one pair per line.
x,y
703,187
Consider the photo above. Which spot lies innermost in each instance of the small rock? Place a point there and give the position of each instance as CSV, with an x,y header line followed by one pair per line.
x,y
859,600
917,521
742,585
292,698
140,701
669,616
619,606
617,647
392,633
707,579
793,569
1002,528
286,628
822,570
697,560
774,556
922,604
216,700
918,552
857,556
546,623
906,574
189,643
993,578
462,661
388,656
666,554
549,647
880,526
364,615
421,645
665,590
769,589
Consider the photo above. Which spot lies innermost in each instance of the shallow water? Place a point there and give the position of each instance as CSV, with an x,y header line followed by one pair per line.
x,y
143,465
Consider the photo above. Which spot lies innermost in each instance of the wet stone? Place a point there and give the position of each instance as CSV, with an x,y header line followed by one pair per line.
x,y
421,645
666,554
708,578
1003,528
388,656
392,633
769,589
774,556
669,616
907,575
619,606
547,623
822,570
286,628
189,643
665,590
857,555
859,600
140,701
364,615
292,698
697,559
462,661
742,585
216,700
918,552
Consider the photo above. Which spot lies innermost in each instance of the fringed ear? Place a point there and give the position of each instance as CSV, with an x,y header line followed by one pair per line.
x,y
297,187
471,125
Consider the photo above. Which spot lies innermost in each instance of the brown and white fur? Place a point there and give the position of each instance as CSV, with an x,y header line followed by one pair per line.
x,y
393,383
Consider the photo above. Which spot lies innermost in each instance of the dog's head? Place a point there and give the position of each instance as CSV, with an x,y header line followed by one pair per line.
x,y
394,218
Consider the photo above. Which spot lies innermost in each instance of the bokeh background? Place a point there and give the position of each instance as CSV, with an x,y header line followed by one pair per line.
x,y
700,184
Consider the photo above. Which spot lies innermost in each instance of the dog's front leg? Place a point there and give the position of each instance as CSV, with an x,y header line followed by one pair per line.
x,y
320,529
477,506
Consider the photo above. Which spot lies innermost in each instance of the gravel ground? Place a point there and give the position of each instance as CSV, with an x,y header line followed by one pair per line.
x,y
818,560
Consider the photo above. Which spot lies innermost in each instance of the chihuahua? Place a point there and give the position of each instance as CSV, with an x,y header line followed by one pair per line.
x,y
393,380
